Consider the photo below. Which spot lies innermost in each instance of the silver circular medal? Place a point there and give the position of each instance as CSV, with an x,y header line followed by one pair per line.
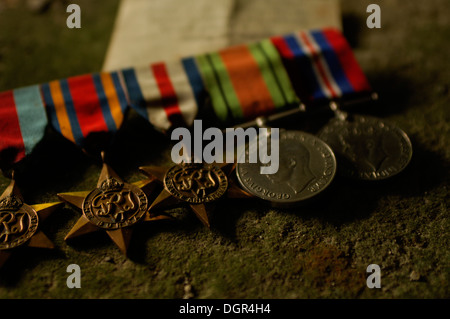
x,y
306,167
367,148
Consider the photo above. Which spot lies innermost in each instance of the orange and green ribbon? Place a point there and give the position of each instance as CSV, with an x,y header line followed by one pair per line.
x,y
240,83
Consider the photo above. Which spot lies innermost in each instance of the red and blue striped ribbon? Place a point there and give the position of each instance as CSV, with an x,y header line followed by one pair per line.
x,y
321,65
240,83
248,81
167,94
22,123
81,106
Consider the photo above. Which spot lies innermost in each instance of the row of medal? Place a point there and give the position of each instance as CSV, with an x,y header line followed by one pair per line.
x,y
362,147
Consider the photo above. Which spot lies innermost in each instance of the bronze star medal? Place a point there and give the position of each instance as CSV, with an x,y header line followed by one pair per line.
x,y
198,185
114,206
19,222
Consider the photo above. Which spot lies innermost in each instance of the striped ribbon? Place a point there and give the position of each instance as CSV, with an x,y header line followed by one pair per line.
x,y
240,83
22,123
166,94
321,65
82,106
248,81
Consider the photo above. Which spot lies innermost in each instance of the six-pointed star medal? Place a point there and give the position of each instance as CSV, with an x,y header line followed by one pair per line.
x,y
198,185
19,222
114,206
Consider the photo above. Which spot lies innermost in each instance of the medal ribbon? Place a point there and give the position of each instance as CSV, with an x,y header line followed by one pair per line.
x,y
240,83
166,94
321,65
84,106
247,81
22,123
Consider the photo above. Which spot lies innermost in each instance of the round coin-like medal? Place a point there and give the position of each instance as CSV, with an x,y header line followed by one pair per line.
x,y
115,205
367,148
196,183
306,167
18,222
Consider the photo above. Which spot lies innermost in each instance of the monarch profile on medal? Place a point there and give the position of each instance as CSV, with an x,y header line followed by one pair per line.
x,y
372,152
306,167
294,170
367,148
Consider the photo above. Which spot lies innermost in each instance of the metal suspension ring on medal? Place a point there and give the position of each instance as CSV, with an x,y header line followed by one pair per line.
x,y
307,166
367,148
115,205
18,222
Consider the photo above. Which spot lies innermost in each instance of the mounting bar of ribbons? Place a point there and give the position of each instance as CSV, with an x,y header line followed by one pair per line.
x,y
247,81
240,83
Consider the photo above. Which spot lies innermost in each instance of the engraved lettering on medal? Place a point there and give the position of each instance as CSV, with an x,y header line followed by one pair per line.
x,y
307,166
196,183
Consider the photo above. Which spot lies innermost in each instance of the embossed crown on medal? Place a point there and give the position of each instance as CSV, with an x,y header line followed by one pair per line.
x,y
199,185
19,222
114,206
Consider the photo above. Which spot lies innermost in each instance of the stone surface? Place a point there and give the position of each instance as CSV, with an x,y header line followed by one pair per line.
x,y
253,251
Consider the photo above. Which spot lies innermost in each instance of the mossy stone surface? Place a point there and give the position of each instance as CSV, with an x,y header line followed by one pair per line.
x,y
320,250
